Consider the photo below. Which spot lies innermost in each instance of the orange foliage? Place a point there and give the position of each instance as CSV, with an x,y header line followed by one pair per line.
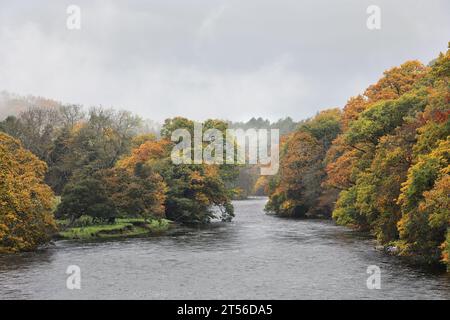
x,y
396,81
150,150
26,202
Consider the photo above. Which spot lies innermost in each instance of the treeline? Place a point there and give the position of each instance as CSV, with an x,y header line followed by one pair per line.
x,y
285,125
381,165
249,182
60,162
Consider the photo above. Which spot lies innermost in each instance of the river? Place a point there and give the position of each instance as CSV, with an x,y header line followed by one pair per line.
x,y
256,256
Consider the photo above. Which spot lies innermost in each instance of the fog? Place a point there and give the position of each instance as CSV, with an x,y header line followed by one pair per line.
x,y
212,59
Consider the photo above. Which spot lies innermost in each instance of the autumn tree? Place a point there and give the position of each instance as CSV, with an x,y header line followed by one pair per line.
x,y
129,189
391,161
353,108
368,117
396,81
425,204
195,193
26,202
261,187
137,192
83,147
300,175
297,190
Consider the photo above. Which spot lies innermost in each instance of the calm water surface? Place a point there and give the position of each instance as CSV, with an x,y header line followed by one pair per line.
x,y
255,257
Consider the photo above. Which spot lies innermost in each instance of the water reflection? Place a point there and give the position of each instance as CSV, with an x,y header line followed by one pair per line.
x,y
24,261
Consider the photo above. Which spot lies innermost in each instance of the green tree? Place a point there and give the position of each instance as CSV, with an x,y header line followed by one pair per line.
x,y
195,193
425,219
87,196
137,193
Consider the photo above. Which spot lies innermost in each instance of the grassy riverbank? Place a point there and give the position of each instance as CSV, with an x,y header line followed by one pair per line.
x,y
121,228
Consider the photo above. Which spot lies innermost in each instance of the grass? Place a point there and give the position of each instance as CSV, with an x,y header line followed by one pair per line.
x,y
122,228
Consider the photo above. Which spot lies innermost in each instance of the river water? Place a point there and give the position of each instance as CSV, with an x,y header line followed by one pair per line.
x,y
254,257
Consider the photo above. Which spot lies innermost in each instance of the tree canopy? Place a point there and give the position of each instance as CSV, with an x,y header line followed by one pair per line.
x,y
26,202
385,165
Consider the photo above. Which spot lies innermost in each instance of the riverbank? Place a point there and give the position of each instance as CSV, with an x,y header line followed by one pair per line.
x,y
122,228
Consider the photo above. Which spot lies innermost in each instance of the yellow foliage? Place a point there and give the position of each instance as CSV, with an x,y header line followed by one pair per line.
x,y
26,202
149,150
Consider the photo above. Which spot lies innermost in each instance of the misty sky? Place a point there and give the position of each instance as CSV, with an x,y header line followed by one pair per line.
x,y
212,59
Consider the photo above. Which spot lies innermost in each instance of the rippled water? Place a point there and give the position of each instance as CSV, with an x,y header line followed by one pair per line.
x,y
255,257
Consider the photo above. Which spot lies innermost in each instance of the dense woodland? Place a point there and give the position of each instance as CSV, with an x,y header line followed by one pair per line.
x,y
380,164
58,162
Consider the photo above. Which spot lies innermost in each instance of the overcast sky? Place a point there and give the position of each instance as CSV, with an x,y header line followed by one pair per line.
x,y
206,58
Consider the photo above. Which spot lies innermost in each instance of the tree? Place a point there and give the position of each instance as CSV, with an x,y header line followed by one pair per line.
x,y
71,115
397,81
195,193
61,160
300,175
137,193
26,202
130,188
368,117
354,107
390,164
11,126
425,205
379,186
446,251
298,189
324,127
105,137
90,146
87,196
382,118
37,127
261,187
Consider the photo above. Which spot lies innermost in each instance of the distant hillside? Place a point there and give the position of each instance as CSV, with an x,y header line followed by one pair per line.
x,y
13,104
